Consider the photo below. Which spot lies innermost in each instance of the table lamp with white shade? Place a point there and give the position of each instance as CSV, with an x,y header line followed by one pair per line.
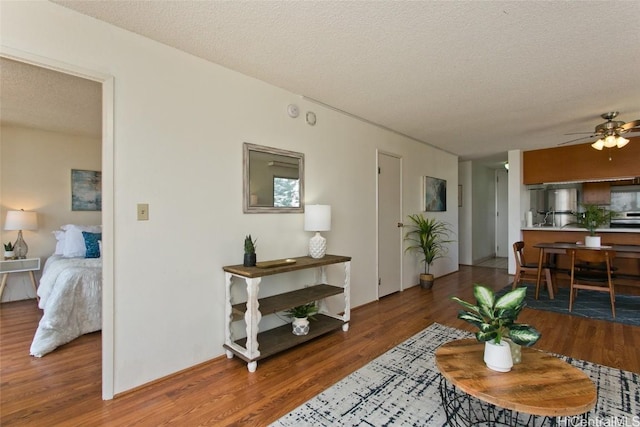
x,y
21,220
317,218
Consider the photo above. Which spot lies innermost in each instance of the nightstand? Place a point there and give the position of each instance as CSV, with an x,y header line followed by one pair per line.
x,y
18,266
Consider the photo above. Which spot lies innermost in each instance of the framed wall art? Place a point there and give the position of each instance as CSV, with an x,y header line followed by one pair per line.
x,y
86,190
435,194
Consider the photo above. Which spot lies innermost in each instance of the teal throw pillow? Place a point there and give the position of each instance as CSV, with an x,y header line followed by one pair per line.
x,y
91,243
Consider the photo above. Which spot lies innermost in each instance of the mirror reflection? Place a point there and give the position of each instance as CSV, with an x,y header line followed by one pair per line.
x,y
273,180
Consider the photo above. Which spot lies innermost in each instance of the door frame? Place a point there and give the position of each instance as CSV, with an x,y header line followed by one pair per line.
x,y
377,175
502,222
108,213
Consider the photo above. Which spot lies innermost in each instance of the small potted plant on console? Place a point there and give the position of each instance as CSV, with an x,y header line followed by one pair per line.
x,y
301,315
249,252
496,320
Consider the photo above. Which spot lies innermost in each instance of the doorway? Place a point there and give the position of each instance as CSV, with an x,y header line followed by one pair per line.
x,y
502,214
389,224
107,82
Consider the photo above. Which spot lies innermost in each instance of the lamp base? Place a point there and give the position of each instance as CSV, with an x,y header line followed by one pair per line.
x,y
20,247
317,246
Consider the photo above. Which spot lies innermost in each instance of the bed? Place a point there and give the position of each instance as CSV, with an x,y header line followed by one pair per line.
x,y
70,294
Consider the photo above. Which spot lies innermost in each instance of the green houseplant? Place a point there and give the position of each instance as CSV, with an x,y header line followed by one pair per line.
x,y
301,315
428,237
249,251
8,250
496,320
593,217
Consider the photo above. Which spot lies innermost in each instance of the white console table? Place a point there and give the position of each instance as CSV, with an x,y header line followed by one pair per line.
x,y
258,345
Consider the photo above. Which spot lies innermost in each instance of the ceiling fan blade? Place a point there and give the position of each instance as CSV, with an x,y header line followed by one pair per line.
x,y
580,133
628,126
578,139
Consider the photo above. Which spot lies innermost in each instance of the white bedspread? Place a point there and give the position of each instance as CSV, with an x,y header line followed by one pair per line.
x,y
70,294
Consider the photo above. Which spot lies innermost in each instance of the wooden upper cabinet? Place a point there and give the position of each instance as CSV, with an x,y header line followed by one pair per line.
x,y
596,193
581,163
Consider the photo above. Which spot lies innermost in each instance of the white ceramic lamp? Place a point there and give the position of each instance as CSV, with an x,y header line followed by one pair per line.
x,y
317,218
21,220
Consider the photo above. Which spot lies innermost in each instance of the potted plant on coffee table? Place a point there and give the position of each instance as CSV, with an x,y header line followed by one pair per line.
x,y
301,315
593,217
428,237
496,320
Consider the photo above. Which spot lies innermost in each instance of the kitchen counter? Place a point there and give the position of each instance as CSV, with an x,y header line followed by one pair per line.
x,y
584,230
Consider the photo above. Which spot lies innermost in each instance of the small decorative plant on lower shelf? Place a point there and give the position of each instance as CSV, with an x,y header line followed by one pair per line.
x,y
301,315
496,320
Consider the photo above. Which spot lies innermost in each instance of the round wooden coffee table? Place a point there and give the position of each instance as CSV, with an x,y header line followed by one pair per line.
x,y
542,386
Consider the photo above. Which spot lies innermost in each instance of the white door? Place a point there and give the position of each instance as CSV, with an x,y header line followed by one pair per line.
x,y
389,224
502,211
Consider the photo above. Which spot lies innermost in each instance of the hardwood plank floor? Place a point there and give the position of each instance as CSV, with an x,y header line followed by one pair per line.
x,y
64,387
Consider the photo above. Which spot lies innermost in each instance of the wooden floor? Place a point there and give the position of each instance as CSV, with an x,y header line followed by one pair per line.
x,y
63,388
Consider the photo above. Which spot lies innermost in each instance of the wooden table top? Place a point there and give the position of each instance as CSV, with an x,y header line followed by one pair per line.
x,y
622,251
541,385
293,264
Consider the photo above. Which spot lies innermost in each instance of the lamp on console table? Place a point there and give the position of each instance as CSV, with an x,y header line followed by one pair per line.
x,y
317,218
21,220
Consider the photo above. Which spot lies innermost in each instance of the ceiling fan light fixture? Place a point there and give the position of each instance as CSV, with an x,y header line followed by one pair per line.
x,y
598,145
610,141
621,142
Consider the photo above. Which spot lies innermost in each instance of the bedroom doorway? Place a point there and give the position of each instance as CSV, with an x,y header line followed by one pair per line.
x,y
107,216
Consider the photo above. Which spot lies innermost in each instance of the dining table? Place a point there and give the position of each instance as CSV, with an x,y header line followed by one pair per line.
x,y
622,251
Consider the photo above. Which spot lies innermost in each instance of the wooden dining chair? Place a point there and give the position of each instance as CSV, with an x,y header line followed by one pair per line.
x,y
593,279
529,271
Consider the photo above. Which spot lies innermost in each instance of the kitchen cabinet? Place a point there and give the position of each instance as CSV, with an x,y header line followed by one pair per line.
x,y
580,162
260,344
596,193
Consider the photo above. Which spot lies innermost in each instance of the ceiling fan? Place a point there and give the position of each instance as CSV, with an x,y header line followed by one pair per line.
x,y
609,133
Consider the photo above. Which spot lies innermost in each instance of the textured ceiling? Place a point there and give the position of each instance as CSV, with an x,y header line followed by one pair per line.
x,y
36,97
474,78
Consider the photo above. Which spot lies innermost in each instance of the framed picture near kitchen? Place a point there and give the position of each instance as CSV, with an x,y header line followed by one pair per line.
x,y
435,194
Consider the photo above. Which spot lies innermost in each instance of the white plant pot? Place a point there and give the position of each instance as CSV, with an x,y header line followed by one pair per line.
x,y
300,326
592,241
498,356
9,254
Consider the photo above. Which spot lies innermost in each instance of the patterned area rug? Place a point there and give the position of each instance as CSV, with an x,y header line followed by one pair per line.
x,y
591,304
401,388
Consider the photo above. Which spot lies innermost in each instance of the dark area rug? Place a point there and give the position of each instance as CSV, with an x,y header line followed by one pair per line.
x,y
591,304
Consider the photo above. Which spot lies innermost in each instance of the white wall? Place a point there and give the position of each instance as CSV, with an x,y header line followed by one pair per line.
x,y
179,127
35,175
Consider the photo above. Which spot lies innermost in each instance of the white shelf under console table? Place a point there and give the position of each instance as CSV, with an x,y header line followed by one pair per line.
x,y
258,345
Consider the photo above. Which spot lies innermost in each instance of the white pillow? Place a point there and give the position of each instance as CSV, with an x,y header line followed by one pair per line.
x,y
59,242
74,242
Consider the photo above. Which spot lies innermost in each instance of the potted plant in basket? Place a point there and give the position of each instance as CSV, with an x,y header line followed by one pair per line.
x,y
496,320
591,218
429,238
249,251
301,315
8,250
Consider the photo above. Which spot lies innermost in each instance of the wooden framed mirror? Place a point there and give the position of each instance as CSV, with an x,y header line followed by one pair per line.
x,y
273,180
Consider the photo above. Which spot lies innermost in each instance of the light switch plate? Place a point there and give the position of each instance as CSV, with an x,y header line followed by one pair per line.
x,y
143,211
